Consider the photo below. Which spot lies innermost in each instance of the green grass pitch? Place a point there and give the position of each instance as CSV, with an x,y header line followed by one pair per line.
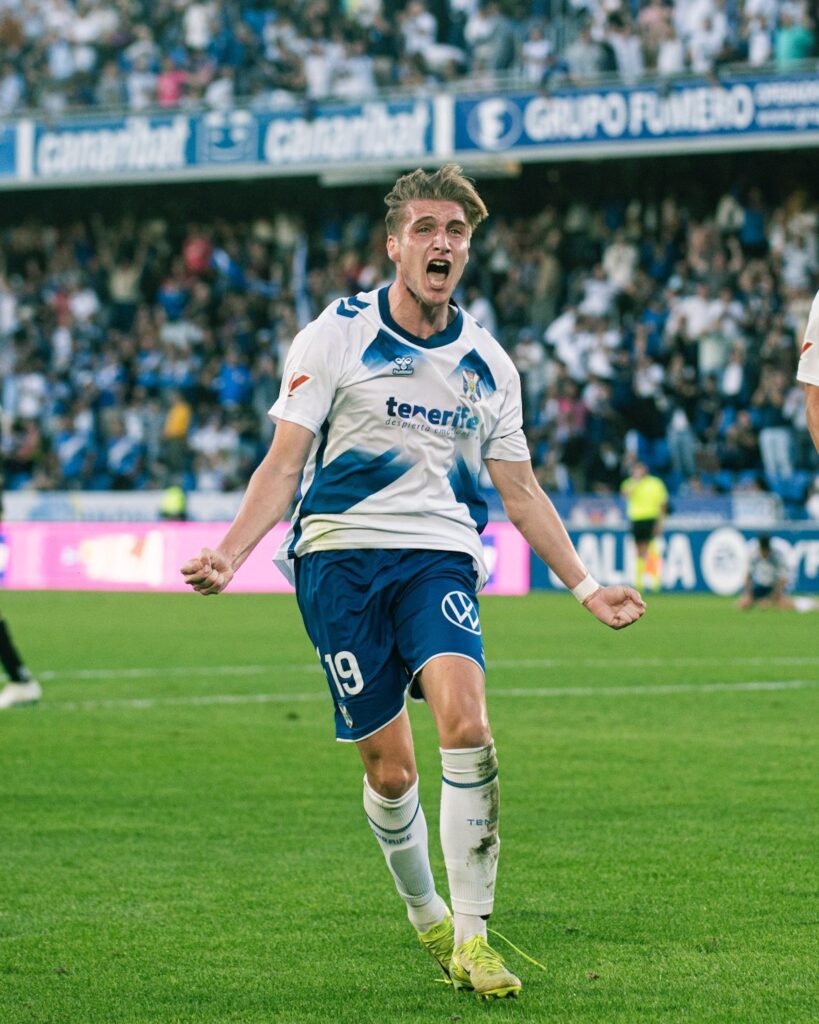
x,y
182,840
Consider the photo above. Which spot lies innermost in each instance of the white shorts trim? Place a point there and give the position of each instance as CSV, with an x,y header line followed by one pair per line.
x,y
344,739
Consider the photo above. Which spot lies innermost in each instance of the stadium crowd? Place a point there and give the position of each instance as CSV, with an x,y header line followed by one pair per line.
x,y
138,352
67,55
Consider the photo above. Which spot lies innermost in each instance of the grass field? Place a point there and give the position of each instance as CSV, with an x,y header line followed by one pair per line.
x,y
181,839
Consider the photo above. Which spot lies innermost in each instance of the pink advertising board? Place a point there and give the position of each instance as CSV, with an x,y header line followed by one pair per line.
x,y
147,556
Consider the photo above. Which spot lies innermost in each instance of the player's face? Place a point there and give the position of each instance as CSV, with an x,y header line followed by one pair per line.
x,y
431,249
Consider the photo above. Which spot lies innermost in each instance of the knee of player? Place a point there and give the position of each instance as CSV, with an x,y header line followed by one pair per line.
x,y
390,780
471,732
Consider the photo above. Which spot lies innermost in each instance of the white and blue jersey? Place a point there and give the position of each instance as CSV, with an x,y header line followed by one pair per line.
x,y
402,425
808,369
766,571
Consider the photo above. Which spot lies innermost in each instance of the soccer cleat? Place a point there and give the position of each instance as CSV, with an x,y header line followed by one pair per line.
x,y
475,965
439,942
18,694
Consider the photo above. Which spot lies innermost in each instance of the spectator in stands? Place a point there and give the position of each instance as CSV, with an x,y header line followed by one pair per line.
x,y
794,40
627,46
536,56
12,89
584,58
140,85
738,445
671,53
775,433
110,90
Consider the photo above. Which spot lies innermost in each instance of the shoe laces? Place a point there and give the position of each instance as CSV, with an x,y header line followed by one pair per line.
x,y
441,945
520,952
479,950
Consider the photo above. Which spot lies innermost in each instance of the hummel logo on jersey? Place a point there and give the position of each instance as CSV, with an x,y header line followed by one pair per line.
x,y
460,610
296,381
805,348
403,366
472,385
344,307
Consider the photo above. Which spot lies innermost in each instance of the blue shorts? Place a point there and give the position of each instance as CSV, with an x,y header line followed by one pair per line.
x,y
376,617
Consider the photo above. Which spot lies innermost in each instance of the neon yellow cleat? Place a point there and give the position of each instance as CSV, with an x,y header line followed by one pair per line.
x,y
439,942
475,965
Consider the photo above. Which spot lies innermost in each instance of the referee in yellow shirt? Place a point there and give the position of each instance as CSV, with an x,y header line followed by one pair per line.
x,y
647,504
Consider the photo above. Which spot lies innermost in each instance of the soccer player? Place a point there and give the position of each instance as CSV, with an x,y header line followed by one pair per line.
x,y
808,370
22,687
647,503
390,400
766,581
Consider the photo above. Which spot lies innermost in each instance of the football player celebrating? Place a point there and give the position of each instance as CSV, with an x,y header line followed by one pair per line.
x,y
391,401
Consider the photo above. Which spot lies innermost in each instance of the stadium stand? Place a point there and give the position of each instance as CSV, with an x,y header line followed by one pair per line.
x,y
142,350
60,56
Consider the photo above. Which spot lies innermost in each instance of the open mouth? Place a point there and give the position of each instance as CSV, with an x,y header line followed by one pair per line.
x,y
437,271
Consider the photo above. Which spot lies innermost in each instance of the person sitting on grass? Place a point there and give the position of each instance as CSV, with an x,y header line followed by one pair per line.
x,y
766,582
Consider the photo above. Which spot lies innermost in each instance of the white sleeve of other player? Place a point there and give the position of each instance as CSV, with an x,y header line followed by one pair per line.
x,y
507,442
311,375
808,370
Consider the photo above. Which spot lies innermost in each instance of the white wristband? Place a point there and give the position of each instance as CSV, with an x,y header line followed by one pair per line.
x,y
585,588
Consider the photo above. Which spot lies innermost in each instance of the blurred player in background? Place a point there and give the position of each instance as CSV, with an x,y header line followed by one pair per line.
x,y
766,582
22,687
808,370
646,507
390,401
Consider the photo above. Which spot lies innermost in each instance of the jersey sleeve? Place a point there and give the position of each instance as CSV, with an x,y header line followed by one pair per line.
x,y
507,442
808,370
311,376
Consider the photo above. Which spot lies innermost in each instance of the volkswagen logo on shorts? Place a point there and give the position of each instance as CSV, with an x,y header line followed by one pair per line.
x,y
461,611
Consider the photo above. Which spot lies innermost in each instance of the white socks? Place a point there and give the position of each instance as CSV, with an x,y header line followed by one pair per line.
x,y
401,830
469,839
469,835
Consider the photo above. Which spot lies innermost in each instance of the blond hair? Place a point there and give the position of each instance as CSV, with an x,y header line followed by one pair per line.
x,y
447,183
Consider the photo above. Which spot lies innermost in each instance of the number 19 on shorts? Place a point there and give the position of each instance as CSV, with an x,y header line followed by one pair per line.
x,y
344,671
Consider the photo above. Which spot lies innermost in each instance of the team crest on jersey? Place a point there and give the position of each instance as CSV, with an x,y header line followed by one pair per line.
x,y
472,385
296,382
403,366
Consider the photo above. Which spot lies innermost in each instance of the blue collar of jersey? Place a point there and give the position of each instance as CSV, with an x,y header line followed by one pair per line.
x,y
450,333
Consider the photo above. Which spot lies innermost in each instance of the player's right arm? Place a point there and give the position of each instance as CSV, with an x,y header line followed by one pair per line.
x,y
269,495
312,372
812,411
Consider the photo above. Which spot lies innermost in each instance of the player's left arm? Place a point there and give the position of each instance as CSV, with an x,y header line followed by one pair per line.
x,y
534,515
